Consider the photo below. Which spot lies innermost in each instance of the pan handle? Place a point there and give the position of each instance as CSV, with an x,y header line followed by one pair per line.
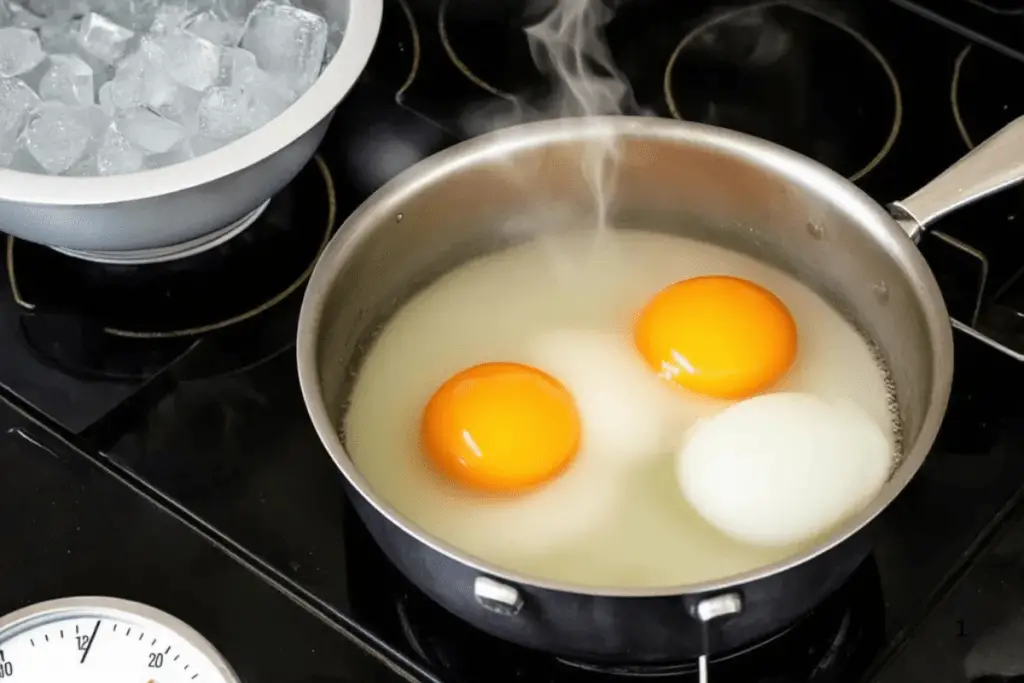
x,y
992,166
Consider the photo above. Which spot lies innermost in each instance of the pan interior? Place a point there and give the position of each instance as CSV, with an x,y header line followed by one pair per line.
x,y
810,225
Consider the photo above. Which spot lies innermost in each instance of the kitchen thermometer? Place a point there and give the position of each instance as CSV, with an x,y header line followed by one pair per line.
x,y
105,640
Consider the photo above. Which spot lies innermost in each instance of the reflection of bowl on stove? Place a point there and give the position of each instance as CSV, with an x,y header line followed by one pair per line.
x,y
169,206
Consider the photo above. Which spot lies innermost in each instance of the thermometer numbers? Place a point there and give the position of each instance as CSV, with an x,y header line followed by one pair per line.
x,y
6,668
100,650
93,639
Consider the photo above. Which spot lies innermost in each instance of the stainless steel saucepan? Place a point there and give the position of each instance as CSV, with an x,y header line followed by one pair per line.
x,y
722,186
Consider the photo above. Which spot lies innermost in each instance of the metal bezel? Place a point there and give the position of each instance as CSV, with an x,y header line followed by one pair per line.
x,y
47,612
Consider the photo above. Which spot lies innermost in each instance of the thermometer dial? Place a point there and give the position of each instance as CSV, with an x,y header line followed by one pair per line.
x,y
105,640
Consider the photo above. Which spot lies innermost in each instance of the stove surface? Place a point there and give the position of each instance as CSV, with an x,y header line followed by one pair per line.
x,y
179,380
74,528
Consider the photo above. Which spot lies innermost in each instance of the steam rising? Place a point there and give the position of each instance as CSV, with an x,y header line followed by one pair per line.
x,y
569,46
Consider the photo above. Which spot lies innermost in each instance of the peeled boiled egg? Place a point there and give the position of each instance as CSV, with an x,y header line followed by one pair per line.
x,y
501,427
628,415
782,468
716,335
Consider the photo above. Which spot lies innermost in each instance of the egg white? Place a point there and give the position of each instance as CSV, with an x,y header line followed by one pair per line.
x,y
566,305
783,468
628,414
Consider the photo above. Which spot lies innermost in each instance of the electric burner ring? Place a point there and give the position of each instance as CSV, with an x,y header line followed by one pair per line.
x,y
414,68
954,97
175,252
442,30
897,121
332,210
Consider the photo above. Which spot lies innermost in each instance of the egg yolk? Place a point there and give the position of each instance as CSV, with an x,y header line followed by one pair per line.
x,y
718,336
501,427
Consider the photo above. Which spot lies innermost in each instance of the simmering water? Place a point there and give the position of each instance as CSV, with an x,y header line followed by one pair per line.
x,y
616,516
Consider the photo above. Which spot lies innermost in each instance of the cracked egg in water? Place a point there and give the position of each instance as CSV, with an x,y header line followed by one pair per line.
x,y
531,408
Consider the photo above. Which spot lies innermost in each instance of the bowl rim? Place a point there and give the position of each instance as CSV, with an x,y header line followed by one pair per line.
x,y
484,149
361,30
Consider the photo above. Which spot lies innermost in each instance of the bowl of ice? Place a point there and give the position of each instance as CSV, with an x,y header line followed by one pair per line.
x,y
135,125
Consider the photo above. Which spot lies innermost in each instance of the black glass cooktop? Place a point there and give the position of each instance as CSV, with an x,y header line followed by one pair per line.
x,y
72,528
179,379
998,24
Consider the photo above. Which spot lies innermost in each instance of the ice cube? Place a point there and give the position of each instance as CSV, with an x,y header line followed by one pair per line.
x,y
334,38
130,84
103,38
208,25
267,104
69,79
117,155
57,136
142,81
238,67
190,60
17,102
54,11
176,155
287,41
106,100
179,105
270,96
172,14
16,15
233,9
149,131
235,63
59,38
225,113
200,144
98,124
25,162
336,24
7,151
63,39
133,14
84,167
20,51
168,18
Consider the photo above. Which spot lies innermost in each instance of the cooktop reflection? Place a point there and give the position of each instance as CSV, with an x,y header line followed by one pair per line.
x,y
211,423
